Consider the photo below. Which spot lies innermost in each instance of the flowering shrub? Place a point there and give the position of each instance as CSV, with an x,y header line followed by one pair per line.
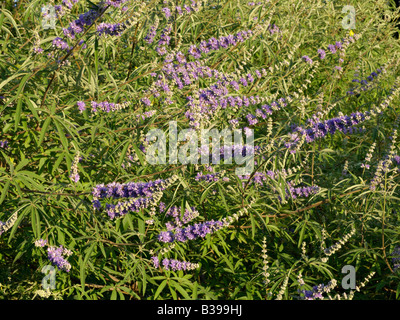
x,y
77,102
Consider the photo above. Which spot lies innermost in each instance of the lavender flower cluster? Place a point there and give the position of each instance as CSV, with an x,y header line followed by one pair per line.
x,y
319,129
175,232
3,144
318,291
211,177
189,9
167,12
132,205
110,29
260,113
272,28
56,255
37,50
164,40
141,194
149,38
179,221
215,98
364,83
145,115
74,169
78,26
227,152
131,189
258,178
333,48
191,232
60,11
40,243
183,74
217,44
115,3
61,44
265,110
103,106
396,258
383,167
69,4
174,264
307,59
252,4
305,192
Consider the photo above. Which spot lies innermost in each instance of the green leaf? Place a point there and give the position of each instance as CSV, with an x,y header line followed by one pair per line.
x,y
32,106
35,221
123,154
19,219
253,226
18,113
114,294
194,290
303,228
43,130
10,17
83,265
130,291
171,289
160,289
10,79
4,191
181,290
1,18
8,160
58,161
142,229
61,134
139,154
96,55
21,164
222,195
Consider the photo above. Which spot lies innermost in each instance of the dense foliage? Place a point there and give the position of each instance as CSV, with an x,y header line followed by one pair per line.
x,y
77,191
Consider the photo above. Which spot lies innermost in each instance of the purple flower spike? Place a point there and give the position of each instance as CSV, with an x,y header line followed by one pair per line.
x,y
307,59
167,12
81,106
55,255
332,48
322,54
